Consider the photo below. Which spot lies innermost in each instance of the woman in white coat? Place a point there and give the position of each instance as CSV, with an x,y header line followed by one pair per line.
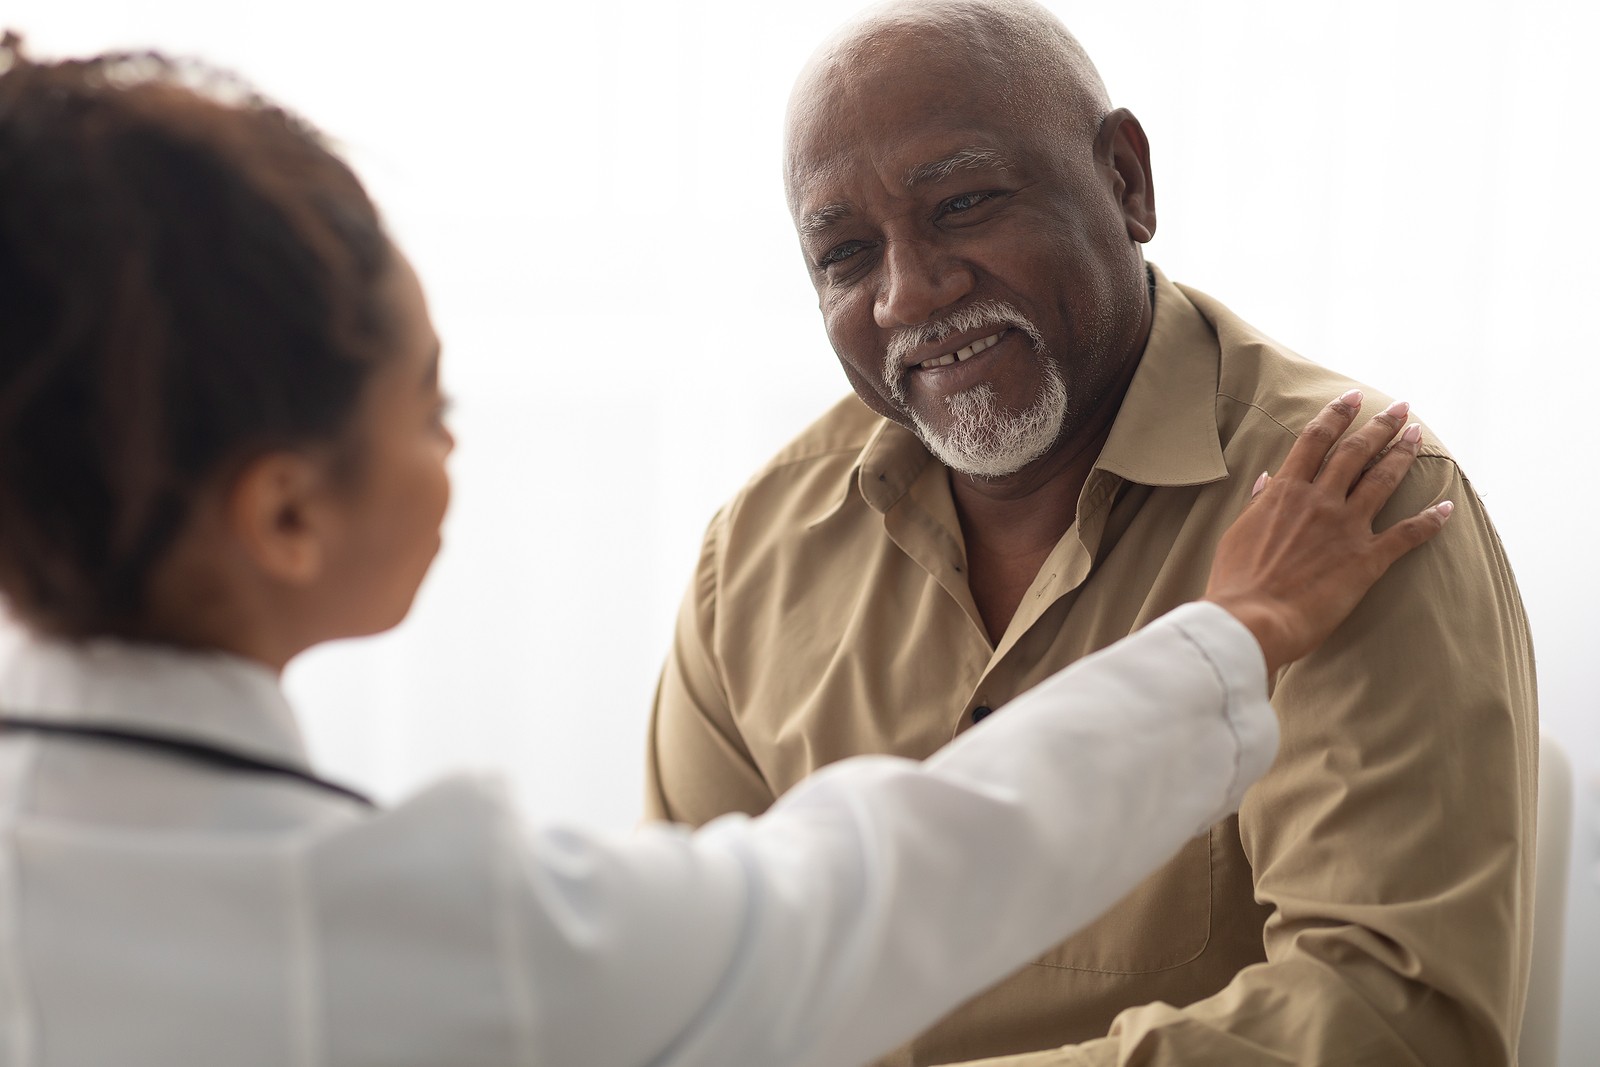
x,y
222,442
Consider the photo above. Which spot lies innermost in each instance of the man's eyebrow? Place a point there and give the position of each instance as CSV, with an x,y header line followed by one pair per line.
x,y
817,221
960,159
970,158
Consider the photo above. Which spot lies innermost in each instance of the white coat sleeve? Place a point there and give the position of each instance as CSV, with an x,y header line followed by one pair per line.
x,y
881,893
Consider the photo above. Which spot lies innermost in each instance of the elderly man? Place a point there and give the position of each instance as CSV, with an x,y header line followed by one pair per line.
x,y
1047,439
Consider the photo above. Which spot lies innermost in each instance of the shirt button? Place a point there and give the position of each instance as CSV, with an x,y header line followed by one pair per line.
x,y
980,712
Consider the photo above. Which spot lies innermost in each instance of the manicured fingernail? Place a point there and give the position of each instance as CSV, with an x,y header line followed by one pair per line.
x,y
1399,409
1352,399
1444,508
1261,483
1412,434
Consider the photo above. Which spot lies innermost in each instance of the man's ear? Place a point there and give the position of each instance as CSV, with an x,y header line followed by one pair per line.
x,y
1121,147
280,510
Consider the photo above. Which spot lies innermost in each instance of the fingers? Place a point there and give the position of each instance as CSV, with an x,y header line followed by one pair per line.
x,y
1365,467
1411,533
1352,455
1311,448
1380,481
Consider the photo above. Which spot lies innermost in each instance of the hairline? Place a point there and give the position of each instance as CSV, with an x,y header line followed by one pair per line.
x,y
1068,86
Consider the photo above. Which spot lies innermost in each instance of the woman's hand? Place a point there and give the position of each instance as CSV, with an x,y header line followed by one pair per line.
x,y
1302,554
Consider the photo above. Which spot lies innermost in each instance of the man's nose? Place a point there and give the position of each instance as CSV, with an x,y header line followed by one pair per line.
x,y
919,281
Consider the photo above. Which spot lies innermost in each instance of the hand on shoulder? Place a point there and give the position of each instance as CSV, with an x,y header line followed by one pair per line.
x,y
1302,554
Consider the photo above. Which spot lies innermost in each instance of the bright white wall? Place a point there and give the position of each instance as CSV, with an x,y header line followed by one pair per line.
x,y
591,193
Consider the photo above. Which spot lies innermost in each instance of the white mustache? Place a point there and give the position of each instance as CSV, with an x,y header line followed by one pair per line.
x,y
972,317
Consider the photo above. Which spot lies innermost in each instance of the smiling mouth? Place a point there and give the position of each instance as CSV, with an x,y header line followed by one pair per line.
x,y
961,355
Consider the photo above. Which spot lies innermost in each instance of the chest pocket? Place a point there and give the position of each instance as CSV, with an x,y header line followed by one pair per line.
x,y
1164,923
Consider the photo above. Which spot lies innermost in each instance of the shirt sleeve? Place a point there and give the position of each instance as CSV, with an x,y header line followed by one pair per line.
x,y
696,764
840,923
1393,836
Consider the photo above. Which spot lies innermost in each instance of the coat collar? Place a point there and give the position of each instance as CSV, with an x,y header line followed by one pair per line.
x,y
209,697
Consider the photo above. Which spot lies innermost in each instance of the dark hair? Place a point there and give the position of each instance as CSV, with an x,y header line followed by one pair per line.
x,y
188,278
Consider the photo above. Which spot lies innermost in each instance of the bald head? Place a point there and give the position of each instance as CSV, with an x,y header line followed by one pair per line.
x,y
1014,51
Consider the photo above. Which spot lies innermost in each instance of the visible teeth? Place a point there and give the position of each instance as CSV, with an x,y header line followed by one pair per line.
x,y
962,354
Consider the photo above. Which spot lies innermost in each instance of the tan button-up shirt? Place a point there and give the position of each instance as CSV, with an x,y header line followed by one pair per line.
x,y
1370,902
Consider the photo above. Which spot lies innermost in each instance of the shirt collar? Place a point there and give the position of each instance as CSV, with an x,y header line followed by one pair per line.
x,y
1164,434
210,697
887,466
1166,431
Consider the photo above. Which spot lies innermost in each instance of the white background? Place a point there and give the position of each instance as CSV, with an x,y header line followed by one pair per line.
x,y
1403,190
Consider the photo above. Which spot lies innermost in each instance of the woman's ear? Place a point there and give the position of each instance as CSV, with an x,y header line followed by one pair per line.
x,y
281,512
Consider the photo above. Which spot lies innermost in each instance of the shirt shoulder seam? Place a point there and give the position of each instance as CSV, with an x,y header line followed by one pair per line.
x,y
1425,451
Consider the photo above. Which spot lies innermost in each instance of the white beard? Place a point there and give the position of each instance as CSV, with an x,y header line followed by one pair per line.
x,y
985,441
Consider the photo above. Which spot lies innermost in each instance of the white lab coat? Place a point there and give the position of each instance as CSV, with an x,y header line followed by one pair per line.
x,y
158,913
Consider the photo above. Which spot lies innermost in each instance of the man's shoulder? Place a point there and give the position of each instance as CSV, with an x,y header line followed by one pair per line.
x,y
838,435
813,470
1267,390
808,483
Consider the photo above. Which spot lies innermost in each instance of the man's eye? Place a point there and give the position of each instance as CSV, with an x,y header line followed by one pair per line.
x,y
965,202
839,253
